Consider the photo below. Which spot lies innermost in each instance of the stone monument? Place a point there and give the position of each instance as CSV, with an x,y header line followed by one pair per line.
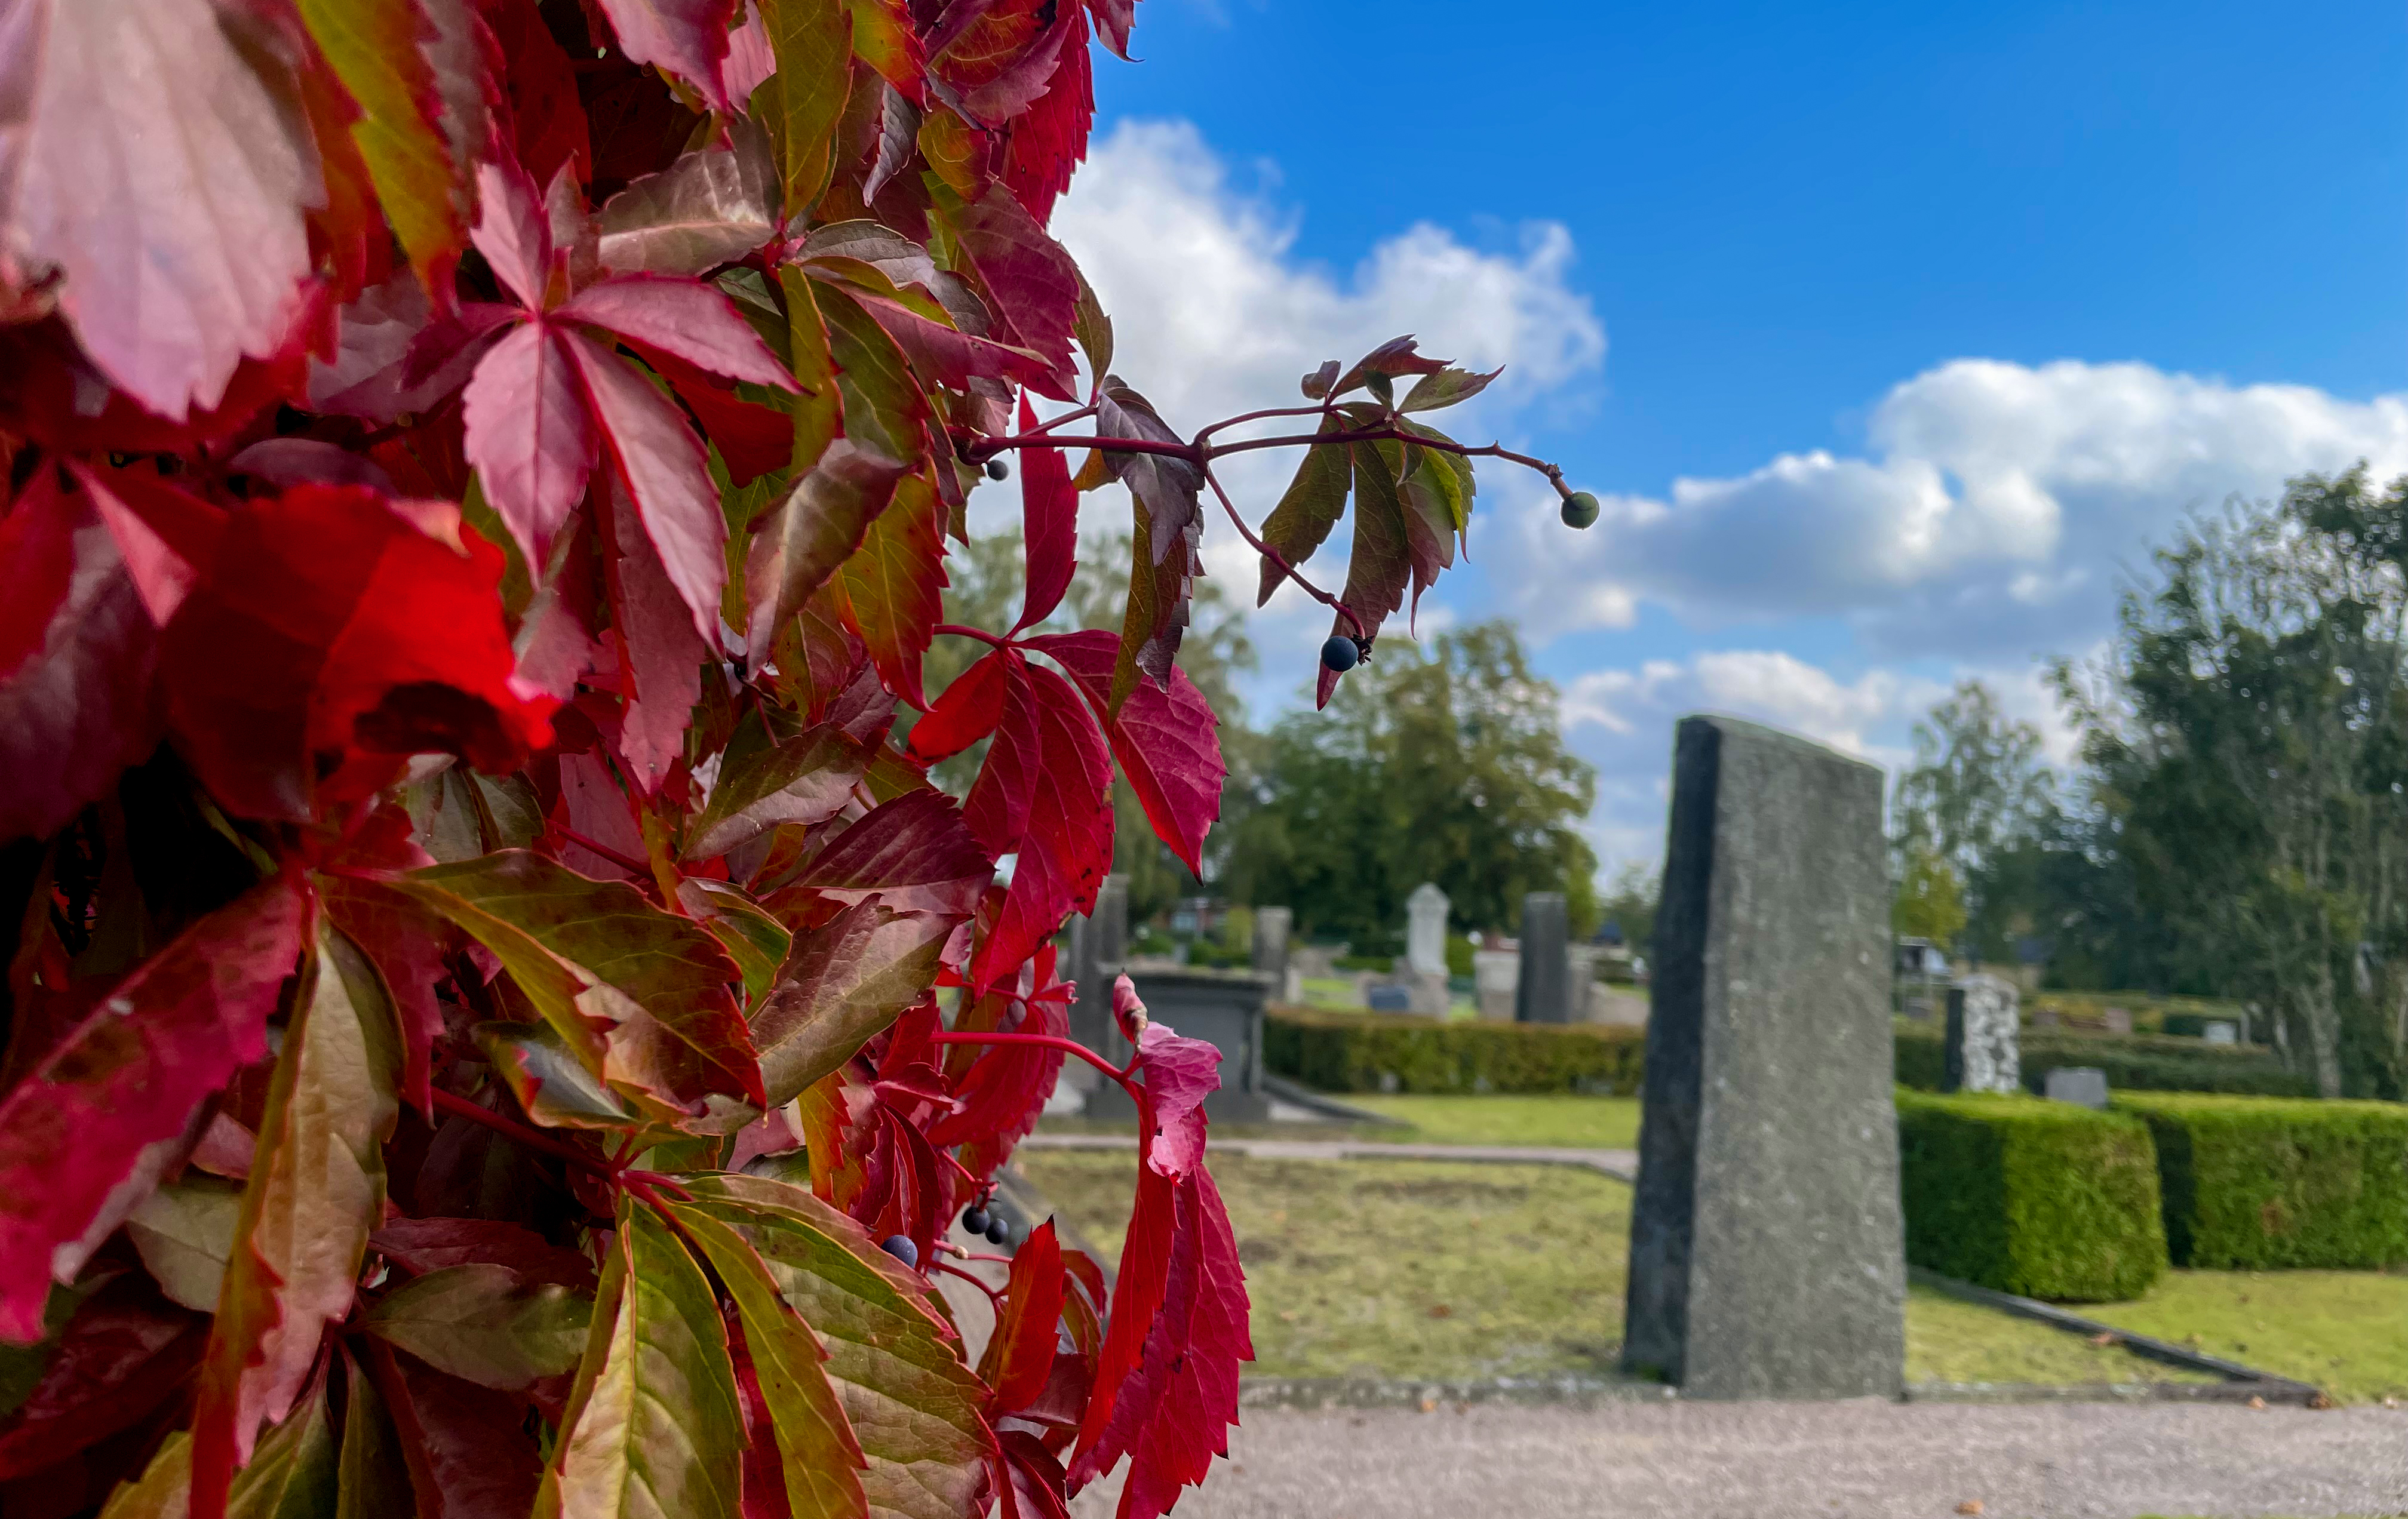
x,y
1984,1020
1271,924
1423,973
1543,994
2083,1084
1767,1256
1495,976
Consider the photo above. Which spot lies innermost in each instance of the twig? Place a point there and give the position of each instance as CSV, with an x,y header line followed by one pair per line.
x,y
993,1298
596,846
1202,453
1050,1042
1278,558
957,630
461,1107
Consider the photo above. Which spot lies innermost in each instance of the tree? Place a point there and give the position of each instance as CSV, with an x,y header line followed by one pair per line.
x,y
478,481
1631,903
2249,733
1929,904
1980,799
1448,767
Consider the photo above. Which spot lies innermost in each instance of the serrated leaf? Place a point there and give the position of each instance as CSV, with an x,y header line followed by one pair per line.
x,y
687,37
419,1245
842,981
1315,500
894,585
163,1490
660,653
1049,505
910,1400
87,1131
681,317
115,1352
885,409
481,1324
1044,793
1030,280
1020,1353
812,532
374,48
654,1426
802,780
1165,741
552,1086
1092,328
1168,534
756,941
1394,357
812,42
467,1454
1381,564
529,434
914,853
819,1457
1445,387
184,1232
712,207
665,472
316,1189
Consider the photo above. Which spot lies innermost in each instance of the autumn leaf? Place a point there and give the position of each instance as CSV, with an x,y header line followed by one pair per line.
x,y
1315,501
712,207
1029,280
481,1322
465,1448
842,981
1049,526
1165,739
1446,387
764,783
120,1353
93,1125
812,42
1020,1353
1044,794
316,1188
1049,141
1001,1089
419,1245
894,585
1169,530
375,50
688,37
819,525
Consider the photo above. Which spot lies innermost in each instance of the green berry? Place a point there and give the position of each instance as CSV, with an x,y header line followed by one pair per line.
x,y
1580,509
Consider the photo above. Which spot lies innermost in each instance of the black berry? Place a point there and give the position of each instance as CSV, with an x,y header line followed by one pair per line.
x,y
1580,509
974,1221
902,1249
1340,654
998,470
998,1232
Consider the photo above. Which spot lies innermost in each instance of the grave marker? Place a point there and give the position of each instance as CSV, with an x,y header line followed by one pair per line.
x,y
1767,1257
1985,1022
1544,992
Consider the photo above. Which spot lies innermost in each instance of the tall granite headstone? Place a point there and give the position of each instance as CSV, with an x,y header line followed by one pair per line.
x,y
1543,995
1426,930
1982,1052
1767,1257
1271,927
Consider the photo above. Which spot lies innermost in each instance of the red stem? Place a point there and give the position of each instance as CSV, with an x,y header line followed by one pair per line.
x,y
994,1298
1202,453
1051,1042
1278,558
639,867
533,1139
959,631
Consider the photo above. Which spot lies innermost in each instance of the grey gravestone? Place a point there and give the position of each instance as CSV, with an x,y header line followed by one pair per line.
x,y
1544,992
1271,925
1225,1007
1388,999
2119,1020
1495,976
2084,1084
2217,1031
1426,930
1098,949
1984,1021
1767,1257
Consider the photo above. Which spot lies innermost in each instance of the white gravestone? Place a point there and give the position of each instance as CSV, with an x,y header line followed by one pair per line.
x,y
1495,974
1984,1023
1425,930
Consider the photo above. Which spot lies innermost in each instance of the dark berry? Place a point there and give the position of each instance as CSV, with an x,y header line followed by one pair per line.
x,y
902,1249
998,470
1580,509
974,1221
998,1232
1340,654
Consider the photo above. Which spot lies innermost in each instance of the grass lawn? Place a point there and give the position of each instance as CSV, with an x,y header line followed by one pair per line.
x,y
2345,1331
1424,1268
1568,1121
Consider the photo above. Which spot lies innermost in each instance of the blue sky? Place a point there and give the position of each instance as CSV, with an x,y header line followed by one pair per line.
x,y
1892,335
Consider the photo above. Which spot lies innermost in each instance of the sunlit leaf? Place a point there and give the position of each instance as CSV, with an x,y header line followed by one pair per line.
x,y
481,1322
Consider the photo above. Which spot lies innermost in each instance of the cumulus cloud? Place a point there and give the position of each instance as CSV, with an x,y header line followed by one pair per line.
x,y
1990,518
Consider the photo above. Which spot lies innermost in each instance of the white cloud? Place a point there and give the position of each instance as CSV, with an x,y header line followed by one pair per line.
x,y
1990,522
1217,316
1767,685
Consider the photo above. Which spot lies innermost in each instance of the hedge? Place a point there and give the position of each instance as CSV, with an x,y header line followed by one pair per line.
x,y
1369,1052
2044,1200
2264,1184
2133,1062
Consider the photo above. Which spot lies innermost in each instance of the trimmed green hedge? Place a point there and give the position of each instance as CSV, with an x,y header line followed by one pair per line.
x,y
1369,1052
2133,1062
2263,1183
2044,1200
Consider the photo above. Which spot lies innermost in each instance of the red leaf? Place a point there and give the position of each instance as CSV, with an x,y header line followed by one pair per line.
x,y
468,1453
126,1350
513,233
1032,283
529,434
1049,505
1044,793
164,535
1112,21
1024,1334
894,585
946,354
77,1133
1165,741
914,854
883,37
162,168
752,439
419,1245
547,118
1002,1089
79,696
967,712
684,317
1180,1073
1049,141
404,943
333,625
1035,1478
688,37
660,668
665,470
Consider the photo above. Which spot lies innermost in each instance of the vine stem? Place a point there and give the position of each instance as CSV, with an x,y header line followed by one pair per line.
x,y
596,846
460,1107
1053,1041
1201,453
958,630
1278,558
993,1298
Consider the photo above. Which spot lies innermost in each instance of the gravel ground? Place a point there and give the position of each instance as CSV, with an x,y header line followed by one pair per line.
x,y
1862,1459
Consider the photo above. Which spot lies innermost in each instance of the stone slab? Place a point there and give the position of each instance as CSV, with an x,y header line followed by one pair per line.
x,y
1767,1256
2084,1084
1544,992
1983,1047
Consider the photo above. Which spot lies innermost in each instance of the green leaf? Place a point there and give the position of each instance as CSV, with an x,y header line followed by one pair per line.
x,y
373,46
842,982
547,1080
184,1232
1315,501
763,784
885,409
640,997
1376,573
653,1427
164,1489
816,1448
293,1476
812,42
1446,387
898,1371
819,525
316,1188
756,941
372,1478
479,1323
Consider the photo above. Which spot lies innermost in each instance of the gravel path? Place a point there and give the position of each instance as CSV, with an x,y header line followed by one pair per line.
x,y
1862,1459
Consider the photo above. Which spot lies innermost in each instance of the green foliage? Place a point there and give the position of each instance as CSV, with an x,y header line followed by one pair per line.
x,y
1631,902
2044,1200
1354,1051
1977,799
2265,1183
1931,903
1447,767
2133,1062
